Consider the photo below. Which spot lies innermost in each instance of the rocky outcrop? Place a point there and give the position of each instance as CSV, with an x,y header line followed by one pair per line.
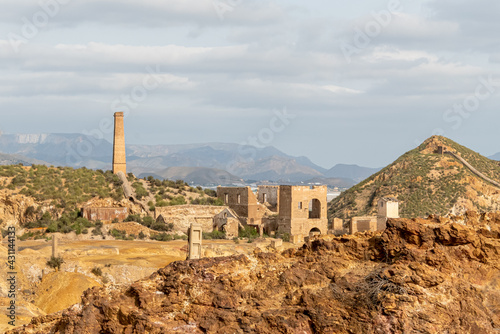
x,y
13,207
420,276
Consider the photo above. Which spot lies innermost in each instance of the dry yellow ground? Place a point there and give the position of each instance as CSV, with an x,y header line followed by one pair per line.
x,y
24,312
59,290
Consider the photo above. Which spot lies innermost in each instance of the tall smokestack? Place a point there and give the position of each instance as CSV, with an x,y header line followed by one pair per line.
x,y
119,161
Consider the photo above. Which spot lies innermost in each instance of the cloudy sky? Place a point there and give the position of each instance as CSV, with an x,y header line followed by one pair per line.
x,y
339,82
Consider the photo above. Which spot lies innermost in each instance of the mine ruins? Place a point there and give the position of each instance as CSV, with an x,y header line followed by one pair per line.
x,y
275,210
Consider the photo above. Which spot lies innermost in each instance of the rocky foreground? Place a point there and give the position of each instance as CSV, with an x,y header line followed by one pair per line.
x,y
420,276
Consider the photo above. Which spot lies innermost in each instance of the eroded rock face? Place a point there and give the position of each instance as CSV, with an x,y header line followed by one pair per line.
x,y
419,276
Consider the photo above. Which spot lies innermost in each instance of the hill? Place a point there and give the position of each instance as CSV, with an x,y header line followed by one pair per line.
x,y
38,196
426,183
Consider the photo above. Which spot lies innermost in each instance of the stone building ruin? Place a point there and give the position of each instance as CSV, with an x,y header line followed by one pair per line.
x,y
387,207
294,210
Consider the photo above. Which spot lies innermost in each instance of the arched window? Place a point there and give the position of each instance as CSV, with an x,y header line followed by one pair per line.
x,y
315,209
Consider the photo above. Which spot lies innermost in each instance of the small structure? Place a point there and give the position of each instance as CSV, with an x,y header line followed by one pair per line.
x,y
388,207
362,224
276,243
227,221
195,237
297,239
338,227
441,150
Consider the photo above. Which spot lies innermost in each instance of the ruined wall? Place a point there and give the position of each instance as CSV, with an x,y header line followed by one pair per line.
x,y
228,222
243,202
269,194
362,224
182,216
302,209
104,214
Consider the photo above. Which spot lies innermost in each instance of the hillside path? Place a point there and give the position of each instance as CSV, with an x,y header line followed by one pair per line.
x,y
474,170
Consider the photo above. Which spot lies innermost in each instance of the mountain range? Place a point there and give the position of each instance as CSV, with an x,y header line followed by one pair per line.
x,y
204,163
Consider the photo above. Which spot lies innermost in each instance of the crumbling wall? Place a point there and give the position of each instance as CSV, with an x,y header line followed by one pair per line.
x,y
243,202
105,214
362,224
182,216
269,194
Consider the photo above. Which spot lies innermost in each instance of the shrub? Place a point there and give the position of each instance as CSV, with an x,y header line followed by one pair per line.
x,y
285,237
118,234
162,237
142,235
55,262
214,235
96,271
248,232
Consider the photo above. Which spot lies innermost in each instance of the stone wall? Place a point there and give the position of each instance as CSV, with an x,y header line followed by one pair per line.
x,y
228,222
243,202
105,214
269,194
362,224
182,216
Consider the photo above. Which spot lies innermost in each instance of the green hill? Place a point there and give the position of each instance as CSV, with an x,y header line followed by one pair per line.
x,y
52,197
426,182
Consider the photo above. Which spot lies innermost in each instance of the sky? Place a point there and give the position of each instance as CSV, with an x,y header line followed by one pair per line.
x,y
339,82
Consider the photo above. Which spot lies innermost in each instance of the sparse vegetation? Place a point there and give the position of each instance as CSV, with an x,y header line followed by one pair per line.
x,y
96,271
214,235
55,262
248,232
425,183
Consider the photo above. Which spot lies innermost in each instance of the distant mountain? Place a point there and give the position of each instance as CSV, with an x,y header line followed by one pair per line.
x,y
495,156
75,150
426,182
238,161
15,159
246,162
196,175
353,172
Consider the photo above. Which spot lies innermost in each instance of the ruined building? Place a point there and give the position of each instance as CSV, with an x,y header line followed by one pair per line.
x,y
302,210
295,210
244,203
119,160
387,207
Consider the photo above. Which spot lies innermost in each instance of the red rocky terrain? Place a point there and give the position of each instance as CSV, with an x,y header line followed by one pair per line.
x,y
436,275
